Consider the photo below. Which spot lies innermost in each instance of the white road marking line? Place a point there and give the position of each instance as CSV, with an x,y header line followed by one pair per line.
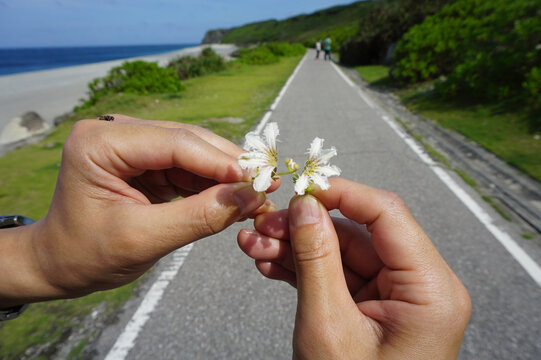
x,y
531,267
505,239
126,340
352,84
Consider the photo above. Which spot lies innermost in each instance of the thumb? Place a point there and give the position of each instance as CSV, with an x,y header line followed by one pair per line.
x,y
321,283
204,214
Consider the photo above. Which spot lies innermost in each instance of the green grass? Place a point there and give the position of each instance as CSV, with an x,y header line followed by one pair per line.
x,y
373,74
29,174
498,127
467,179
495,206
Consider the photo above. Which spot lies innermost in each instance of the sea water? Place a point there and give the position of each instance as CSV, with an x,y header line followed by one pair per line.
x,y
19,60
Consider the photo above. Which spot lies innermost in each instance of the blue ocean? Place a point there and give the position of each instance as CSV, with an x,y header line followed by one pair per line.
x,y
14,61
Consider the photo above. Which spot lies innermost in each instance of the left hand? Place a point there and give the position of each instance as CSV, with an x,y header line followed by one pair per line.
x,y
112,218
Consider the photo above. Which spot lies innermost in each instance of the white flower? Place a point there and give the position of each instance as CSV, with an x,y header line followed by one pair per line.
x,y
262,156
317,169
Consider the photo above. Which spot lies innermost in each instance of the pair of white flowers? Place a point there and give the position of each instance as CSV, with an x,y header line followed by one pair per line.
x,y
262,159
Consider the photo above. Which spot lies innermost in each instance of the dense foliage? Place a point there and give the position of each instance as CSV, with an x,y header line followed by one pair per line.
x,y
384,25
339,35
206,63
305,28
269,53
136,77
484,49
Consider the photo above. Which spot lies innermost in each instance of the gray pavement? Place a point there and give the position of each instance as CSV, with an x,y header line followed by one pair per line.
x,y
52,93
219,307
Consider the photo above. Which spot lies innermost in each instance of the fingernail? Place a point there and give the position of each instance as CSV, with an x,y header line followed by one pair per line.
x,y
305,210
247,198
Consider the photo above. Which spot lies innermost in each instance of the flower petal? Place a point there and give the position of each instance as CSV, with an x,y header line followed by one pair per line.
x,y
322,181
329,170
252,160
315,148
263,181
326,155
254,142
302,184
271,132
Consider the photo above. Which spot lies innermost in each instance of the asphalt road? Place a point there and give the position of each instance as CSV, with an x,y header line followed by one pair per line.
x,y
219,307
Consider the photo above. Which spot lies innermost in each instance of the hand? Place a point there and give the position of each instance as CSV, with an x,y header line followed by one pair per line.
x,y
112,218
370,286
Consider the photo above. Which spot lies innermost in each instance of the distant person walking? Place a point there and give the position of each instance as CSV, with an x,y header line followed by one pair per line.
x,y
327,46
318,49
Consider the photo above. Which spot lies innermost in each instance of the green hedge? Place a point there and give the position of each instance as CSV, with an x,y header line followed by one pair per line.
x,y
384,25
136,77
481,49
269,53
207,62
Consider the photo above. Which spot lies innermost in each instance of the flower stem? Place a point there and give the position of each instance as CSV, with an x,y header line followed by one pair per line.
x,y
293,171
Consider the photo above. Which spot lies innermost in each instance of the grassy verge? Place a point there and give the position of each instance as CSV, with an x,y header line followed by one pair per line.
x,y
497,127
29,174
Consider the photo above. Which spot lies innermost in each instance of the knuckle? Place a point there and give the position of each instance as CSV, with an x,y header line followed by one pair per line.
x,y
81,133
463,303
206,221
395,202
196,129
313,249
182,135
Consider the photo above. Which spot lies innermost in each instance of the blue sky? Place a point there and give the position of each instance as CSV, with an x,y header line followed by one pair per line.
x,y
29,23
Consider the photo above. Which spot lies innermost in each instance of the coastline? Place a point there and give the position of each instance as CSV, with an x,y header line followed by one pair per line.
x,y
54,92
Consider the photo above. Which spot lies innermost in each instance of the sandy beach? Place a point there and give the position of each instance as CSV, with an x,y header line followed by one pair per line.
x,y
51,93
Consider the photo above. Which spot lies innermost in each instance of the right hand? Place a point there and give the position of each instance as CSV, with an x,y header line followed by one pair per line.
x,y
372,286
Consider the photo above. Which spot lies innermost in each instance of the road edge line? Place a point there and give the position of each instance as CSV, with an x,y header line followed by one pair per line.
x,y
126,339
527,263
265,119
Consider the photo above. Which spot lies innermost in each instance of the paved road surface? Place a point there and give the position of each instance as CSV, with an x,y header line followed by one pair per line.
x,y
219,307
54,92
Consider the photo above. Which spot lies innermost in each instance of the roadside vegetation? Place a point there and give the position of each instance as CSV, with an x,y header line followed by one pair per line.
x,y
501,129
338,22
207,62
383,26
28,176
475,67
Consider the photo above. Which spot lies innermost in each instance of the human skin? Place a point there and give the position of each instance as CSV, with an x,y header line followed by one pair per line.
x,y
371,286
112,218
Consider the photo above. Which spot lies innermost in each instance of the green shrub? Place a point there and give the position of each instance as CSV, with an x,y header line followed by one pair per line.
x,y
286,49
532,85
383,26
339,35
482,49
206,63
268,53
260,55
136,77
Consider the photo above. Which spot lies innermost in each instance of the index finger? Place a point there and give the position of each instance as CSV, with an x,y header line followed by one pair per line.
x,y
397,238
207,135
128,149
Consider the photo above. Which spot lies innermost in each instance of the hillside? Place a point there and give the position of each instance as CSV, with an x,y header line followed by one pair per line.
x,y
339,22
